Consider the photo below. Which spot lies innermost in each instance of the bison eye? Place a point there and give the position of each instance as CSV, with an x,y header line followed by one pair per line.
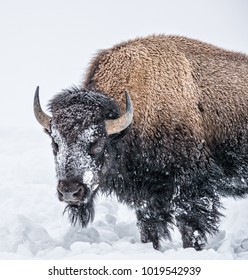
x,y
96,147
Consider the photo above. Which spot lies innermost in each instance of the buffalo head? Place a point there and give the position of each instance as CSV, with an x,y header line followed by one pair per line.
x,y
82,128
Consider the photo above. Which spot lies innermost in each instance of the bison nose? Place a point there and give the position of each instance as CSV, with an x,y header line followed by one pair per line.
x,y
70,191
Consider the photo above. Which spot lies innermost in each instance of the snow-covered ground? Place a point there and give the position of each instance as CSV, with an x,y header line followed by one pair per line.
x,y
32,225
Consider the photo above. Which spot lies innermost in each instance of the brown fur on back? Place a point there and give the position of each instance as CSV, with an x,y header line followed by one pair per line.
x,y
175,80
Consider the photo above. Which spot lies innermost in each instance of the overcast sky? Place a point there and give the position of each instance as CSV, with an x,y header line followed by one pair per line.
x,y
50,42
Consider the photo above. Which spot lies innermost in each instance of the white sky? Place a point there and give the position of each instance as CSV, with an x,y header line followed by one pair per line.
x,y
50,42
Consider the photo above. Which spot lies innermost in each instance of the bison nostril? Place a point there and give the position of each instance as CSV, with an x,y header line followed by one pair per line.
x,y
78,193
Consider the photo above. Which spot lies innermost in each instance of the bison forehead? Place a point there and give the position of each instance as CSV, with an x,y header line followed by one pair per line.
x,y
83,136
81,108
73,122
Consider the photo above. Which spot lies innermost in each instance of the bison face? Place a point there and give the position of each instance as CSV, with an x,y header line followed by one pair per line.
x,y
81,164
81,128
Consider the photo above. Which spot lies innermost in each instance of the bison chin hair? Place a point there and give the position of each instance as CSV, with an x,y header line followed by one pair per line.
x,y
83,213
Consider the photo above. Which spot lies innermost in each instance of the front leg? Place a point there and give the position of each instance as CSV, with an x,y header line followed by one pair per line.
x,y
191,237
148,230
195,218
154,222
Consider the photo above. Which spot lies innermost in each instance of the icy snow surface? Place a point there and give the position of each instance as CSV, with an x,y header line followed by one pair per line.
x,y
32,225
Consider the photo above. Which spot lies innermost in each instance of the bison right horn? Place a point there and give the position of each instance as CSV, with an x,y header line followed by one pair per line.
x,y
41,116
118,125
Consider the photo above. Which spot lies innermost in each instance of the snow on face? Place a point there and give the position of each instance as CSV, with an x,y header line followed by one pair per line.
x,y
72,159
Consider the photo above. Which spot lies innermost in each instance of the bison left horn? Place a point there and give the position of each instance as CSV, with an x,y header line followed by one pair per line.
x,y
41,116
118,125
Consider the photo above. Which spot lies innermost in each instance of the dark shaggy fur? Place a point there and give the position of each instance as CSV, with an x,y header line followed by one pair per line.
x,y
84,213
188,144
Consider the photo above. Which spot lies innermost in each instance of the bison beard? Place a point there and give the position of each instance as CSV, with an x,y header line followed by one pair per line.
x,y
84,213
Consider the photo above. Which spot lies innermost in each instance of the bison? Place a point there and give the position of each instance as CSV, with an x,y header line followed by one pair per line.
x,y
170,147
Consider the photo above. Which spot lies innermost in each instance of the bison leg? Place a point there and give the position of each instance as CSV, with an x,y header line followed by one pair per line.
x,y
153,224
197,218
149,233
191,237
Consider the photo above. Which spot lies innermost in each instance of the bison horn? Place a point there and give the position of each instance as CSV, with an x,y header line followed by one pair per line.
x,y
118,125
41,117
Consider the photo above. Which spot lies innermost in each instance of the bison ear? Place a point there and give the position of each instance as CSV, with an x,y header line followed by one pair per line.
x,y
41,116
120,124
